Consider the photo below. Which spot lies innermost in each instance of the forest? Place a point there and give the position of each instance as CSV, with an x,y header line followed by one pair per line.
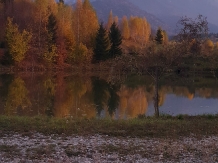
x,y
47,34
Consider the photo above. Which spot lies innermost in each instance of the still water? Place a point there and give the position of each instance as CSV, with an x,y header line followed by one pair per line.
x,y
123,97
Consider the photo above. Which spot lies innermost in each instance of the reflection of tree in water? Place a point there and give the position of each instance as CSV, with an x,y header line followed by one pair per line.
x,y
114,99
49,87
17,97
5,81
105,95
77,88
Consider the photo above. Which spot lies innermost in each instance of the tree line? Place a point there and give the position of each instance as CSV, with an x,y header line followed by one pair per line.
x,y
50,33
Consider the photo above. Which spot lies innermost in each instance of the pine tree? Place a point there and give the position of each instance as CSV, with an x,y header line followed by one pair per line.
x,y
159,36
116,41
51,38
52,28
61,1
101,49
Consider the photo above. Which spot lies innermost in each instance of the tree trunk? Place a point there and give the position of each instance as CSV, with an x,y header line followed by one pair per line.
x,y
156,96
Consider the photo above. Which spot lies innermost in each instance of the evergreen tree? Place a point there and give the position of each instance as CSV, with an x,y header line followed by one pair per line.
x,y
51,38
101,45
61,1
52,28
159,36
115,40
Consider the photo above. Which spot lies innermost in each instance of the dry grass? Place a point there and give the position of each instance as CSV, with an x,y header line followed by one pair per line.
x,y
165,126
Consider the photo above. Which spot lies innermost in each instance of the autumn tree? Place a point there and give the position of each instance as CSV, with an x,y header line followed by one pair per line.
x,y
140,30
65,33
89,24
110,20
125,28
208,46
85,25
101,50
115,40
80,54
17,42
77,20
165,37
192,32
39,31
116,19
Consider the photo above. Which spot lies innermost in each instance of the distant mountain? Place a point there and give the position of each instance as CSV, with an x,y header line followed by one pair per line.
x,y
170,11
121,8
124,7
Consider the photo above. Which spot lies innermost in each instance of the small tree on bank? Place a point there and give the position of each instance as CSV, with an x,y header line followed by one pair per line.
x,y
159,36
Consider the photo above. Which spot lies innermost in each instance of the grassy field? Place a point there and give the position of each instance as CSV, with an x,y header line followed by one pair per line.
x,y
164,126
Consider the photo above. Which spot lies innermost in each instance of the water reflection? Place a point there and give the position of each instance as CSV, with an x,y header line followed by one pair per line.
x,y
17,98
62,95
105,96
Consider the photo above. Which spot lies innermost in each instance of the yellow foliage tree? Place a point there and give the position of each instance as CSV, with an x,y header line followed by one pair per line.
x,y
110,20
125,28
208,46
17,42
89,24
140,29
79,54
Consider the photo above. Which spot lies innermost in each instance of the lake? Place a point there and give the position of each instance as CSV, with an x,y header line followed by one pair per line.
x,y
103,96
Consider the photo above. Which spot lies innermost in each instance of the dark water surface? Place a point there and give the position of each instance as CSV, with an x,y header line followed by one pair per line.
x,y
120,97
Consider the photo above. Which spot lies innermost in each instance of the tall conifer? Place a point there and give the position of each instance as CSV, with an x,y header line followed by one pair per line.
x,y
101,45
116,41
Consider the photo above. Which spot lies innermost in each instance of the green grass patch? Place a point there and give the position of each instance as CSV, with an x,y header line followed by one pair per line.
x,y
164,126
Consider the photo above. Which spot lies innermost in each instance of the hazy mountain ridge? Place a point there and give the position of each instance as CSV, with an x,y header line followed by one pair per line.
x,y
164,13
124,7
121,8
170,11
